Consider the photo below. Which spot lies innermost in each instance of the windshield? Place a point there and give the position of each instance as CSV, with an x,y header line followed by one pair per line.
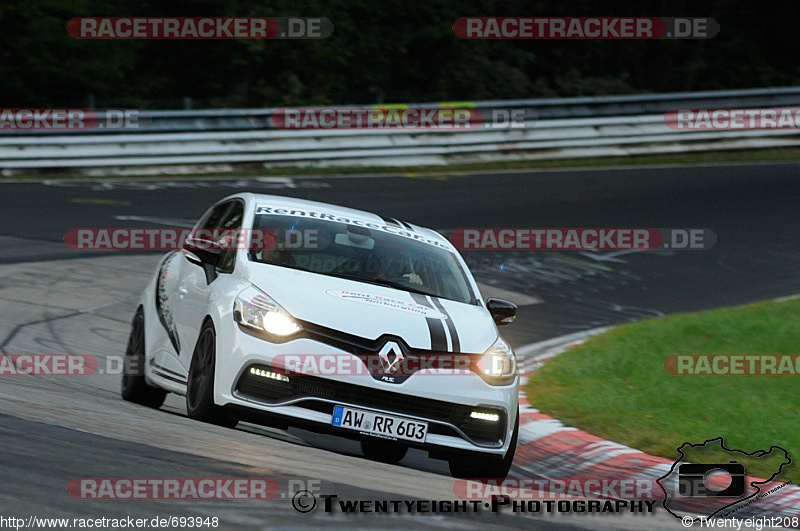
x,y
356,252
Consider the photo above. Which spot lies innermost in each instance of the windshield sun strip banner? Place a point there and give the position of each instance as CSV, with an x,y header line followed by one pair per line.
x,y
387,227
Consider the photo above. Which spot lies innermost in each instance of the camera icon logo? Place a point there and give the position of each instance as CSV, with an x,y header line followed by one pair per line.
x,y
722,480
695,489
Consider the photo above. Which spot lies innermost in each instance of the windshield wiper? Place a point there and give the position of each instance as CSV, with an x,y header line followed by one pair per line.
x,y
287,266
378,281
382,282
400,286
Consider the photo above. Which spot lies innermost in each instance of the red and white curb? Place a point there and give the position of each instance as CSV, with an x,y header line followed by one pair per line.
x,y
547,449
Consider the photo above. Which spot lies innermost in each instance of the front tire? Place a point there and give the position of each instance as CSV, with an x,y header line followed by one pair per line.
x,y
200,386
383,451
134,386
481,466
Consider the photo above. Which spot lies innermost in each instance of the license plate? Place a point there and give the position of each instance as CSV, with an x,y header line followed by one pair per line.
x,y
378,424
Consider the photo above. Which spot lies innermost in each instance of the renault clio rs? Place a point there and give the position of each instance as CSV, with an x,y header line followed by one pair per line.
x,y
288,312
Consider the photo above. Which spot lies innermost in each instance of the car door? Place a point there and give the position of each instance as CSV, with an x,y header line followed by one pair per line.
x,y
195,285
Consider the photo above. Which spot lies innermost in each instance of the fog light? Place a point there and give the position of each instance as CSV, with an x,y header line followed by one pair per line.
x,y
268,374
492,417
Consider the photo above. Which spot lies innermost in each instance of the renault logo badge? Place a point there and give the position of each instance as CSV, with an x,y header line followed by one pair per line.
x,y
391,356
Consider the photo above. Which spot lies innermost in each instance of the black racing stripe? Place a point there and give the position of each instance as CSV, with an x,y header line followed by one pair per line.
x,y
168,377
451,326
161,310
435,326
397,223
168,371
391,221
405,225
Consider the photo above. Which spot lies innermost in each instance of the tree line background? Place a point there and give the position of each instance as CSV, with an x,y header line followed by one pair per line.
x,y
381,51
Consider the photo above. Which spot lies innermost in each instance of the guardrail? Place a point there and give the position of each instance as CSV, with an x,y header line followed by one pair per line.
x,y
215,140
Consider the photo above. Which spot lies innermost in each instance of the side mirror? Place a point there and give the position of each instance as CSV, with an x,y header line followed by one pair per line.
x,y
503,312
201,252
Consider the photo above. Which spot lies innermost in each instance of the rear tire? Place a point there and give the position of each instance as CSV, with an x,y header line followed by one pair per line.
x,y
383,450
482,466
200,386
134,386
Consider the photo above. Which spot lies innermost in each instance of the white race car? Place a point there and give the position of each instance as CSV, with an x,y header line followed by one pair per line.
x,y
287,312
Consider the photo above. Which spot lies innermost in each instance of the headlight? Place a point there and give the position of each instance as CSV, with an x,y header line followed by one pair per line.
x,y
498,364
254,309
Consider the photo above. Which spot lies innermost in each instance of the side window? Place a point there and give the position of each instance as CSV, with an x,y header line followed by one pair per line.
x,y
231,222
212,219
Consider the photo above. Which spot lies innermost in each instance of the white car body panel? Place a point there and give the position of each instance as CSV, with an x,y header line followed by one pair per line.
x,y
314,298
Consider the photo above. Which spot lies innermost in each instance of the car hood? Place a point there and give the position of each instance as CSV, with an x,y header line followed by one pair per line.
x,y
370,311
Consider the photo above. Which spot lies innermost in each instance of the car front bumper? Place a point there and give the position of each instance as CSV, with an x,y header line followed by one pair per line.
x,y
441,398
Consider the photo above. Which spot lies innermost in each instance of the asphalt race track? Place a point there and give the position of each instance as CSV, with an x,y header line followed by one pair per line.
x,y
55,300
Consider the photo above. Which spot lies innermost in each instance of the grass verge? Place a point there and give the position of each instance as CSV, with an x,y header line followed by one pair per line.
x,y
615,385
451,170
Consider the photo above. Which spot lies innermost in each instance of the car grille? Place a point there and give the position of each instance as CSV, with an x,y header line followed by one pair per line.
x,y
274,391
367,351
